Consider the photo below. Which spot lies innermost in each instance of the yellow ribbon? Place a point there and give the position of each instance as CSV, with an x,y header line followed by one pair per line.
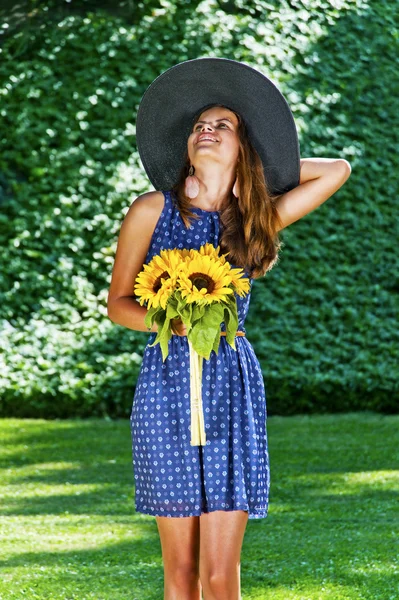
x,y
198,437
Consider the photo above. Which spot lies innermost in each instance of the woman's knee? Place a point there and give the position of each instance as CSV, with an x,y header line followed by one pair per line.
x,y
222,584
180,551
182,582
182,572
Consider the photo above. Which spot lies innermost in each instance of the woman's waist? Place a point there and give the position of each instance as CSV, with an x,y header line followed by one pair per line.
x,y
239,333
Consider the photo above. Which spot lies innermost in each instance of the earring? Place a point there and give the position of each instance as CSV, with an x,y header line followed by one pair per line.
x,y
191,186
236,188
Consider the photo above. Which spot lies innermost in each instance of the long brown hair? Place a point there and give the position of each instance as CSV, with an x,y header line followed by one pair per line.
x,y
248,223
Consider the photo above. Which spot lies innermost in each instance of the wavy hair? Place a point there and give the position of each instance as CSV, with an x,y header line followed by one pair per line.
x,y
248,223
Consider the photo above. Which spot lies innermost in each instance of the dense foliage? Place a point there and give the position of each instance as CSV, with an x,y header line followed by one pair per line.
x,y
323,322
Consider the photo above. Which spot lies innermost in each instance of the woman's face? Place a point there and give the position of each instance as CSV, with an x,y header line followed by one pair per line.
x,y
214,137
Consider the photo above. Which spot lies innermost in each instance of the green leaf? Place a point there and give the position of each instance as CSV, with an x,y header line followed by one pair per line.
x,y
231,321
160,319
150,316
216,342
205,330
171,310
198,312
166,334
186,314
163,336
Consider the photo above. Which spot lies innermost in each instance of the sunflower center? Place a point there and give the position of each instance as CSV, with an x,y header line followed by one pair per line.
x,y
200,280
158,282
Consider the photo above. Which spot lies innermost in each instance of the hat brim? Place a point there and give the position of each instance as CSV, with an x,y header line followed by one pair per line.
x,y
166,111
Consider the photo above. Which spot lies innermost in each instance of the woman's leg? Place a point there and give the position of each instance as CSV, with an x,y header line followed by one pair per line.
x,y
180,554
221,537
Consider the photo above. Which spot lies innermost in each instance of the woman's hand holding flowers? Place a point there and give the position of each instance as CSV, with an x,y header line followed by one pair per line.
x,y
178,327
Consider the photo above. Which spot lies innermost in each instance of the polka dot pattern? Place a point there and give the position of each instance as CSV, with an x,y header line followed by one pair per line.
x,y
231,472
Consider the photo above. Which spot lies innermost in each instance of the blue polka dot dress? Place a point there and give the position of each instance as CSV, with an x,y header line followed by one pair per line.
x,y
231,471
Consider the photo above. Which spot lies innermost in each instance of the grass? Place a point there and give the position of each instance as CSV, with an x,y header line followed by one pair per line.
x,y
69,530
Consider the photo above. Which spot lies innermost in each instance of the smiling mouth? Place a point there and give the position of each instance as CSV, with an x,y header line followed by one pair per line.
x,y
207,140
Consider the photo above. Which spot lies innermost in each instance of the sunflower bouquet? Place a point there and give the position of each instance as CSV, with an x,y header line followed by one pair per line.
x,y
197,286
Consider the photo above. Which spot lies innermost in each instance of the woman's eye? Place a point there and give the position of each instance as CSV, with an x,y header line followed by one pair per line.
x,y
199,126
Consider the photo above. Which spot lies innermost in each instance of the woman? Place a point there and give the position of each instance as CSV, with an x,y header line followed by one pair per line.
x,y
229,172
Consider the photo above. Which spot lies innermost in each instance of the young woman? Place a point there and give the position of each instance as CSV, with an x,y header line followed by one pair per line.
x,y
219,145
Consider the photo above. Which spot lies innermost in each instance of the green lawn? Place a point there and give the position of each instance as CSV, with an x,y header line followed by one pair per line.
x,y
68,527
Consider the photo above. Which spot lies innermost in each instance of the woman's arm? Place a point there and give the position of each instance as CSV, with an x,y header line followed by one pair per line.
x,y
319,179
133,243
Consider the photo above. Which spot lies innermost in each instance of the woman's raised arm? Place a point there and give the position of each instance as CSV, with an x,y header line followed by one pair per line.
x,y
319,179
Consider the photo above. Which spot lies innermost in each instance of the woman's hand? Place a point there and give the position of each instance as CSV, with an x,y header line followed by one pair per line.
x,y
320,178
178,326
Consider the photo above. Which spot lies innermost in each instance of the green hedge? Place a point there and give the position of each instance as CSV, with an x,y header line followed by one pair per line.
x,y
323,322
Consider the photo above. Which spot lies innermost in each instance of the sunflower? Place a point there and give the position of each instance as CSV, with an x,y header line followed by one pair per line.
x,y
185,252
210,250
241,283
156,282
238,280
204,279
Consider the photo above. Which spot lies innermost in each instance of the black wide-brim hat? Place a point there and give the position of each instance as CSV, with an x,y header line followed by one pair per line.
x,y
167,108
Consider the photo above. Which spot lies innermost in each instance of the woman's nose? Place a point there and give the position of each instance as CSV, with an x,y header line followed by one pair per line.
x,y
205,126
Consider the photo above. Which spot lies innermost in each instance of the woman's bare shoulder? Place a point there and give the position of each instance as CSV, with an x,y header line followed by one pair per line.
x,y
142,216
149,202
